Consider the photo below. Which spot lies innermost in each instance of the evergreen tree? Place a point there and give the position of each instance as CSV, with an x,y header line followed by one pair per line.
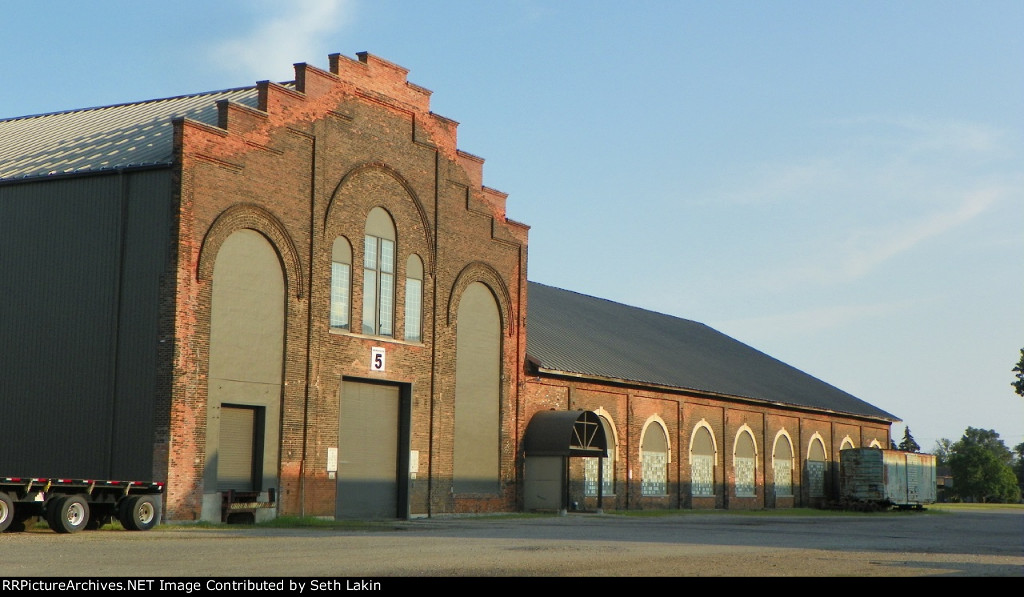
x,y
908,444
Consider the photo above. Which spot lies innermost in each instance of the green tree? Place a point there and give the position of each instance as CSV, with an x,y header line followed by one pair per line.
x,y
1018,464
908,444
943,448
981,465
1018,386
988,439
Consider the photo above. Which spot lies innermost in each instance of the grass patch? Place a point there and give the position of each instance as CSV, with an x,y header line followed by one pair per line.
x,y
961,507
809,512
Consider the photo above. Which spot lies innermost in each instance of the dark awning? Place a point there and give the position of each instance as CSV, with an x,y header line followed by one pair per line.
x,y
565,433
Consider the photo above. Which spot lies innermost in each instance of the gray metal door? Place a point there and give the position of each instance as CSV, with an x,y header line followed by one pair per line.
x,y
235,456
368,451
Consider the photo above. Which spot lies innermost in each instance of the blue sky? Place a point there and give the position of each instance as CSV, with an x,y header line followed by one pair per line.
x,y
838,184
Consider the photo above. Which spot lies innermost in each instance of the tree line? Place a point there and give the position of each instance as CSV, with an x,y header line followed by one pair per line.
x,y
982,467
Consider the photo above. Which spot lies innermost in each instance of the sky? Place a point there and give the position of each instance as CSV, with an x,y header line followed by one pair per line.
x,y
837,184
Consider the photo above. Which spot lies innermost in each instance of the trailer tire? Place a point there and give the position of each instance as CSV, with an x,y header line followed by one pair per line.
x,y
68,513
139,512
49,509
6,511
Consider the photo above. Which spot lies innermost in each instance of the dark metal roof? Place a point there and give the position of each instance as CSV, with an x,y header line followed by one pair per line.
x,y
565,433
578,335
105,138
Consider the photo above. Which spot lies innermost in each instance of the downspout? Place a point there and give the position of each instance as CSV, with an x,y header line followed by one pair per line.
x,y
309,330
433,337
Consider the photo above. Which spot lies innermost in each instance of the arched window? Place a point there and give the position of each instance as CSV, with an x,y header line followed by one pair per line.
x,y
744,463
607,464
379,274
414,299
654,459
702,462
477,441
816,467
782,465
341,284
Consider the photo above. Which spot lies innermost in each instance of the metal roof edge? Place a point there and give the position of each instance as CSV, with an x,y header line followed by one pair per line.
x,y
709,394
32,178
135,103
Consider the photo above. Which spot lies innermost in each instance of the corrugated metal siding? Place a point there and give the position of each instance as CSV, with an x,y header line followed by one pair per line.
x,y
145,264
60,262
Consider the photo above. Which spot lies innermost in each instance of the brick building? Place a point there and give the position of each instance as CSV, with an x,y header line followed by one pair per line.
x,y
305,291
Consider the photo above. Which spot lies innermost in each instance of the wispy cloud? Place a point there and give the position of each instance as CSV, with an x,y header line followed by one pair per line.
x,y
878,189
875,247
293,32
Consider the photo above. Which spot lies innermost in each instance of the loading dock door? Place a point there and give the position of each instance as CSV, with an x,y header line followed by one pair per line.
x,y
235,462
368,442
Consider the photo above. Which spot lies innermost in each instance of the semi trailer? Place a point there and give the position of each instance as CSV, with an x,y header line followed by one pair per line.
x,y
71,505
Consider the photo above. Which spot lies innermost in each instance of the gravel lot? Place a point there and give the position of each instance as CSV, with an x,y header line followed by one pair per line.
x,y
578,545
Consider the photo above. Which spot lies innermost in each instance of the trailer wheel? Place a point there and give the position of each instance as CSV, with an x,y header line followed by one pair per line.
x,y
6,511
68,514
50,508
139,512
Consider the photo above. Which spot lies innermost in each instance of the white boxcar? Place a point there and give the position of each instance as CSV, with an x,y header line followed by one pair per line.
x,y
887,477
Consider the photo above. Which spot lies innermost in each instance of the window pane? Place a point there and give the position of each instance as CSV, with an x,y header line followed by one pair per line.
x,y
369,301
340,274
370,252
744,477
413,300
387,304
816,478
654,469
387,255
783,478
702,474
590,477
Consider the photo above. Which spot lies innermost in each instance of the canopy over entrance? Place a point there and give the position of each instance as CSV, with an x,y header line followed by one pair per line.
x,y
565,433
551,439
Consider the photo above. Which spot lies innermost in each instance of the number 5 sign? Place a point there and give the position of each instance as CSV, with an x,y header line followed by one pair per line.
x,y
376,359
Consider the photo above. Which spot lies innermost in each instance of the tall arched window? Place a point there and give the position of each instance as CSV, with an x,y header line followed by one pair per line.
x,y
654,460
702,462
379,274
607,463
744,464
816,458
414,299
341,284
477,441
782,466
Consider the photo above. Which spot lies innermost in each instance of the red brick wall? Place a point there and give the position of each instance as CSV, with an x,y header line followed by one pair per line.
x,y
304,170
630,409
